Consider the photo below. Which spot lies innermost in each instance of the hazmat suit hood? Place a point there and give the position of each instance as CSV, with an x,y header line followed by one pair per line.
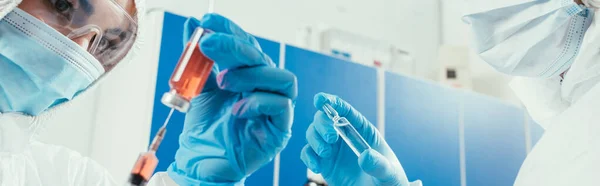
x,y
546,98
16,126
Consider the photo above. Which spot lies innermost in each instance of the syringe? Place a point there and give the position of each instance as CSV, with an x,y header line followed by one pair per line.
x,y
348,133
187,81
147,161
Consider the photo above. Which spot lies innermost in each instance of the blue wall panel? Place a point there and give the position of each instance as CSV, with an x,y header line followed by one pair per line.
x,y
171,48
422,129
494,141
354,83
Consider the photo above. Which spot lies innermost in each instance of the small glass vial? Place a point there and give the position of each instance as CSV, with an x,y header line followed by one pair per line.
x,y
189,76
345,130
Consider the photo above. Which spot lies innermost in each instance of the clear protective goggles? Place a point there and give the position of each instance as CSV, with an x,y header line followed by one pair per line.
x,y
103,27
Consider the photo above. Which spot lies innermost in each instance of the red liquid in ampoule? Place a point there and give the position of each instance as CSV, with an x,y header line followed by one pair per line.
x,y
144,168
195,72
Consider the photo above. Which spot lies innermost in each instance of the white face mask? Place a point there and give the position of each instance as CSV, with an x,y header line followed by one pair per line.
x,y
585,73
39,67
531,38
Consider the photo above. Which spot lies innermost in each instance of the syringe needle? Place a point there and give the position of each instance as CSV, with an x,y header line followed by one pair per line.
x,y
168,118
160,134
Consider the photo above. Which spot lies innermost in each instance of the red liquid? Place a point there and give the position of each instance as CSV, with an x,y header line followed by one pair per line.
x,y
194,75
145,165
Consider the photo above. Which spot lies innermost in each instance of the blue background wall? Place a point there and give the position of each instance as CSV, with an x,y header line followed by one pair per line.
x,y
319,73
425,123
494,141
422,129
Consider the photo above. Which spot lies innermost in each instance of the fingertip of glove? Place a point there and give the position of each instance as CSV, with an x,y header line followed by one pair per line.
x,y
209,40
326,152
308,156
378,166
188,28
192,22
331,138
210,43
208,18
321,98
221,81
370,160
316,171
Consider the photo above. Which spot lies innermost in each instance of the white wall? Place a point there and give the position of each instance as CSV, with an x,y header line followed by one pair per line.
x,y
411,25
73,126
456,33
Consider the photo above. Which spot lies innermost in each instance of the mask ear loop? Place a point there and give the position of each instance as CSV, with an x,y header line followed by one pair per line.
x,y
85,31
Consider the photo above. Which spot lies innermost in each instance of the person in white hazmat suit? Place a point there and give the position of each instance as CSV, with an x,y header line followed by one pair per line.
x,y
54,51
552,47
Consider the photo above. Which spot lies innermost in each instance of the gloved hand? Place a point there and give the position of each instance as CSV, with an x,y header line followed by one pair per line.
x,y
243,116
328,154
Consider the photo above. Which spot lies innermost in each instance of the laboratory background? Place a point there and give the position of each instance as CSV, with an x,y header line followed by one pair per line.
x,y
408,66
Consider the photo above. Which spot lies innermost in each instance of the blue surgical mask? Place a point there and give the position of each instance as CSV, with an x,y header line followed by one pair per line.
x,y
39,67
529,38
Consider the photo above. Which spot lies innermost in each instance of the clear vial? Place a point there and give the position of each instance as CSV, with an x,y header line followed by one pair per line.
x,y
189,76
348,133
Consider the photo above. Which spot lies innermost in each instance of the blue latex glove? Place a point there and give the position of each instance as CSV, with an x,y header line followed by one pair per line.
x,y
242,118
328,154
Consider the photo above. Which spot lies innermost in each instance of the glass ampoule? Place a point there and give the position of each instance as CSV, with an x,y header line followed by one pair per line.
x,y
190,75
345,129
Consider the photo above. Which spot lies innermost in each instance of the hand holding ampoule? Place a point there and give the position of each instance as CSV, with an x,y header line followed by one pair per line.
x,y
330,155
345,130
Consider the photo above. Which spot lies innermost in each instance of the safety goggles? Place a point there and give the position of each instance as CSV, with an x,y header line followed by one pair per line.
x,y
103,27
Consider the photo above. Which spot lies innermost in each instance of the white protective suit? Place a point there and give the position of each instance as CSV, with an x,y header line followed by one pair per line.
x,y
569,151
26,161
520,36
